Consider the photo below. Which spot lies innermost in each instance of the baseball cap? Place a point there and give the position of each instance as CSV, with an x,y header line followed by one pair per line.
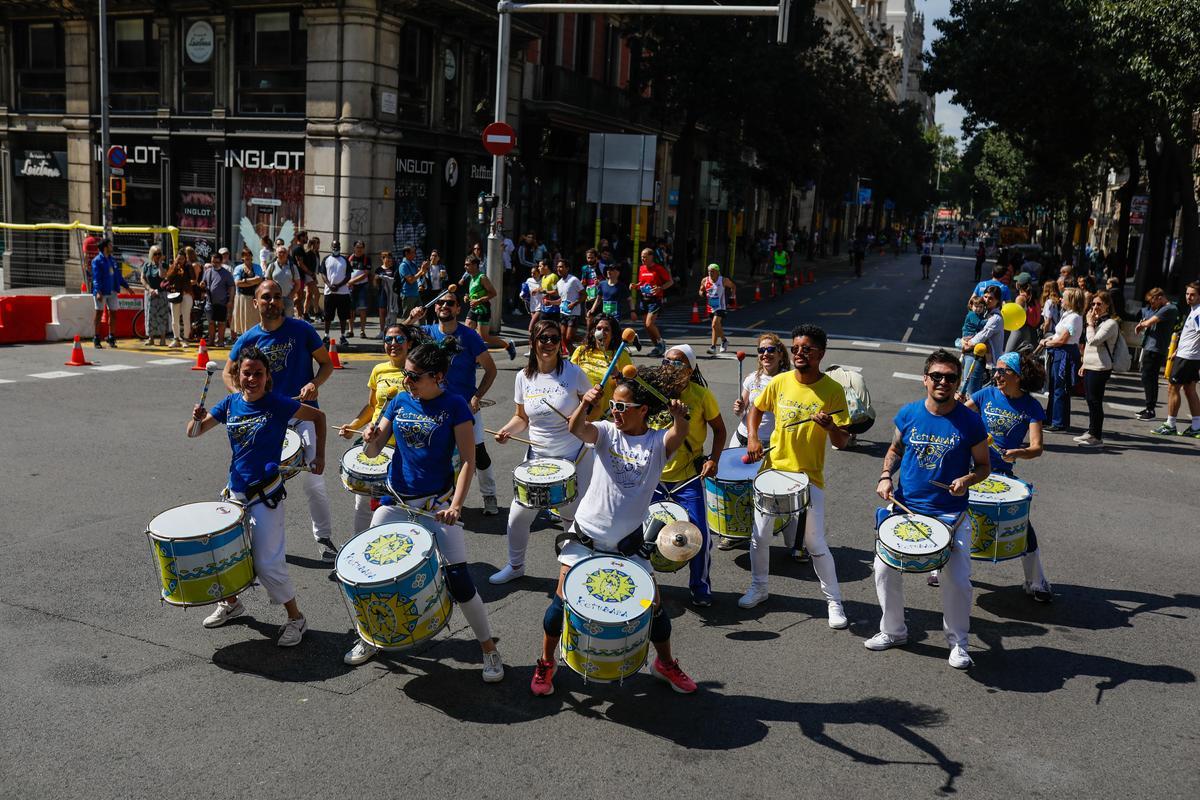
x,y
1024,278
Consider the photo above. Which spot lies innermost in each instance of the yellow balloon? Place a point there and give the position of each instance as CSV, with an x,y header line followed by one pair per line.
x,y
1014,316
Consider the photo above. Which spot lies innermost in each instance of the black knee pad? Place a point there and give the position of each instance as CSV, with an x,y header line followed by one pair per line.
x,y
462,588
482,459
660,626
552,623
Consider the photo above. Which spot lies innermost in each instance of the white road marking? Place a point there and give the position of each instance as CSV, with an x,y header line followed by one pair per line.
x,y
908,376
55,374
921,307
918,349
755,325
865,344
2,380
907,334
114,368
169,361
782,311
1123,407
916,318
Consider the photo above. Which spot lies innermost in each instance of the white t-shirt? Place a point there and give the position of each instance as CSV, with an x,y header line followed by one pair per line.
x,y
506,253
714,292
264,257
1189,337
335,272
535,294
547,430
1073,324
624,477
569,290
754,385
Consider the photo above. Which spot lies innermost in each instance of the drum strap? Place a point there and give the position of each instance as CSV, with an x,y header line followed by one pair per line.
x,y
628,546
270,492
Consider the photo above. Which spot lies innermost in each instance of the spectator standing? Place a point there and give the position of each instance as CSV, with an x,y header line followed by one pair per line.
x,y
300,262
1102,332
218,288
246,276
178,282
1027,333
436,279
1185,369
362,288
265,251
999,272
337,291
980,257
991,334
1050,307
409,279
385,282
1158,323
1063,346
106,280
285,273
154,298
973,321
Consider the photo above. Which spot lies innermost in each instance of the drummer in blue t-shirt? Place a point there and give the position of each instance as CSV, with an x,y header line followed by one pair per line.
x,y
256,417
1010,412
936,440
428,422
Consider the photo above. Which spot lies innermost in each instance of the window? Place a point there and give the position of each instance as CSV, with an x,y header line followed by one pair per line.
x,y
133,74
482,89
451,86
583,44
39,65
270,51
197,57
416,59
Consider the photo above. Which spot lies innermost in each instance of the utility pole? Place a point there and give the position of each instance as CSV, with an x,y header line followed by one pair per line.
x,y
105,169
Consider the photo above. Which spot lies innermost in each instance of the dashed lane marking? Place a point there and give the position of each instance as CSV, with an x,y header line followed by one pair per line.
x,y
114,368
755,325
805,300
907,333
169,361
858,343
782,311
56,374
922,350
1123,407
921,307
916,318
908,376
2,380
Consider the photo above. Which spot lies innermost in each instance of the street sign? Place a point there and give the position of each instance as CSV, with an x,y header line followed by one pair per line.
x,y
117,156
499,138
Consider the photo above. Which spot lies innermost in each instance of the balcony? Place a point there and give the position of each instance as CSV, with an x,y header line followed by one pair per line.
x,y
564,88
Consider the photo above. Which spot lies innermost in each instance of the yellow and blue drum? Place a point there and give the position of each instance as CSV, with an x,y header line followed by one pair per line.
x,y
364,475
545,483
393,586
291,458
201,552
913,542
999,513
728,496
608,605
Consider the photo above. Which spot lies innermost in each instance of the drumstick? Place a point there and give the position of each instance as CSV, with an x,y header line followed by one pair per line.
x,y
746,456
451,289
906,508
741,356
628,336
979,351
630,372
810,419
941,485
555,410
514,438
209,369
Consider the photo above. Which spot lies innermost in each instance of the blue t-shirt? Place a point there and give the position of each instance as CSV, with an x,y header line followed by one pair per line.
x,y
424,434
409,270
256,432
460,379
935,449
1005,292
288,349
1007,420
613,298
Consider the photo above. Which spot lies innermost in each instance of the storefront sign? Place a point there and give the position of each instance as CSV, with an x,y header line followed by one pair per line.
x,y
199,42
265,159
138,154
198,211
1138,208
451,171
41,164
413,166
481,173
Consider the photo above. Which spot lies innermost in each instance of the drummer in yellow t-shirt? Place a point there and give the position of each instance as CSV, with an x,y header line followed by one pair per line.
x,y
387,380
809,407
690,460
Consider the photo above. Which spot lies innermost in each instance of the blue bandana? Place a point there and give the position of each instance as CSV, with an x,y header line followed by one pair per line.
x,y
1012,361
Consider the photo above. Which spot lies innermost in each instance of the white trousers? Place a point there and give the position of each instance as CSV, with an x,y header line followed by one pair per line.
x,y
269,546
362,513
452,545
814,543
486,477
1035,576
520,518
955,585
314,485
181,317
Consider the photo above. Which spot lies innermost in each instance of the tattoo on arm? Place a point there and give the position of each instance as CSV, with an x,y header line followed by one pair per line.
x,y
895,452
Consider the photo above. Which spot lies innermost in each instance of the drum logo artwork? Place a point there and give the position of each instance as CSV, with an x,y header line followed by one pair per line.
x,y
367,461
911,530
543,469
990,486
610,585
388,549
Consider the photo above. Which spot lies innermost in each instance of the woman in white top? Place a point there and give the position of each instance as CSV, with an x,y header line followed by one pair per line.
x,y
545,394
1063,347
1102,333
772,358
712,289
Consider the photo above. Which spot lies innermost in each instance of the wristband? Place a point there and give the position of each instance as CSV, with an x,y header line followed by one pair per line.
x,y
884,478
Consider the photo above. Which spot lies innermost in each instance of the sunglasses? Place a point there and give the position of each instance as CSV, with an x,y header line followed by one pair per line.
x,y
445,302
396,339
549,338
943,377
805,349
621,406
1004,371
674,362
413,376
768,351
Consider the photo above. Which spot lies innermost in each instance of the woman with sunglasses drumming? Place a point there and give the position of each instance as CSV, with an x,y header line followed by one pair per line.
x,y
596,353
385,382
629,460
1009,412
545,394
429,422
679,478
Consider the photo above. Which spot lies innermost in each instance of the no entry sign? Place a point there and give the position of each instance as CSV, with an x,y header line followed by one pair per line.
x,y
499,138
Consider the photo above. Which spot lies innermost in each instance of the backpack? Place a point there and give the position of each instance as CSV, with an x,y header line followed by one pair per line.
x,y
858,398
1119,353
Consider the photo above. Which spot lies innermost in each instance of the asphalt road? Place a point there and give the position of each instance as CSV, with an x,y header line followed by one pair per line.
x,y
108,694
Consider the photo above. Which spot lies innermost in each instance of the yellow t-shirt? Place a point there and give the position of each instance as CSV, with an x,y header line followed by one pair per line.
x,y
703,407
383,377
594,363
801,448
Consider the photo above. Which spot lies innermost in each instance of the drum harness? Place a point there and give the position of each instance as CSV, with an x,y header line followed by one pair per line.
x,y
270,492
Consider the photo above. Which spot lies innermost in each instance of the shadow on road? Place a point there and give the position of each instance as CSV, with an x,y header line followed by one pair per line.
x,y
317,658
1085,607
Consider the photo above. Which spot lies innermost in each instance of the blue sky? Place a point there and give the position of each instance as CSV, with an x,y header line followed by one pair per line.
x,y
949,116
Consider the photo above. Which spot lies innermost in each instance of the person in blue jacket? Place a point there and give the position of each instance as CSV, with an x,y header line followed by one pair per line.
x,y
106,279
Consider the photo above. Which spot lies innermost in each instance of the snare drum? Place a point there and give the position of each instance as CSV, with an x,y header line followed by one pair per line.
x,y
544,483
608,606
668,512
999,513
781,493
393,586
202,552
727,497
291,460
913,542
366,476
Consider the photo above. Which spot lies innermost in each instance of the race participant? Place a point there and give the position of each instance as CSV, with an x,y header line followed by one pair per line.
x,y
570,307
480,293
652,281
713,288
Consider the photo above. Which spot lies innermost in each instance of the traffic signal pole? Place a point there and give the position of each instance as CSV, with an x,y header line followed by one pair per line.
x,y
105,169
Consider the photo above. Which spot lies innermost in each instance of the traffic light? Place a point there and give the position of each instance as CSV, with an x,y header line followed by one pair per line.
x,y
116,192
486,205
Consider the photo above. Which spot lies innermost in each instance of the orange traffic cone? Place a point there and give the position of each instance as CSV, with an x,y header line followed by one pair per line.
x,y
772,288
695,314
77,359
812,276
201,357
757,293
83,287
333,354
733,305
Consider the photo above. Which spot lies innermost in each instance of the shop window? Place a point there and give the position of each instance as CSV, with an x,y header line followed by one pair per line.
x,y
271,53
482,89
134,77
413,68
39,66
451,87
583,44
198,56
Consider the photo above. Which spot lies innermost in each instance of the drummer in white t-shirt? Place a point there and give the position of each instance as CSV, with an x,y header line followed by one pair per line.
x,y
629,462
545,394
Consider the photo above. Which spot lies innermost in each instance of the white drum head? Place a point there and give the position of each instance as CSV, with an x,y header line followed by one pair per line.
x,y
355,461
999,489
291,446
195,520
914,534
776,482
384,553
539,471
731,468
609,590
667,511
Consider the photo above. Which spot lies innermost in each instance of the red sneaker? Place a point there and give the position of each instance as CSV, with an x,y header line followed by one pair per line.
x,y
543,678
672,674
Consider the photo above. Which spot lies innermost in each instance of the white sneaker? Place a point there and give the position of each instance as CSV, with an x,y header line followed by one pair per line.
x,y
490,508
959,658
509,573
753,596
881,641
292,632
724,346
493,667
837,616
1087,440
361,653
225,611
711,351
